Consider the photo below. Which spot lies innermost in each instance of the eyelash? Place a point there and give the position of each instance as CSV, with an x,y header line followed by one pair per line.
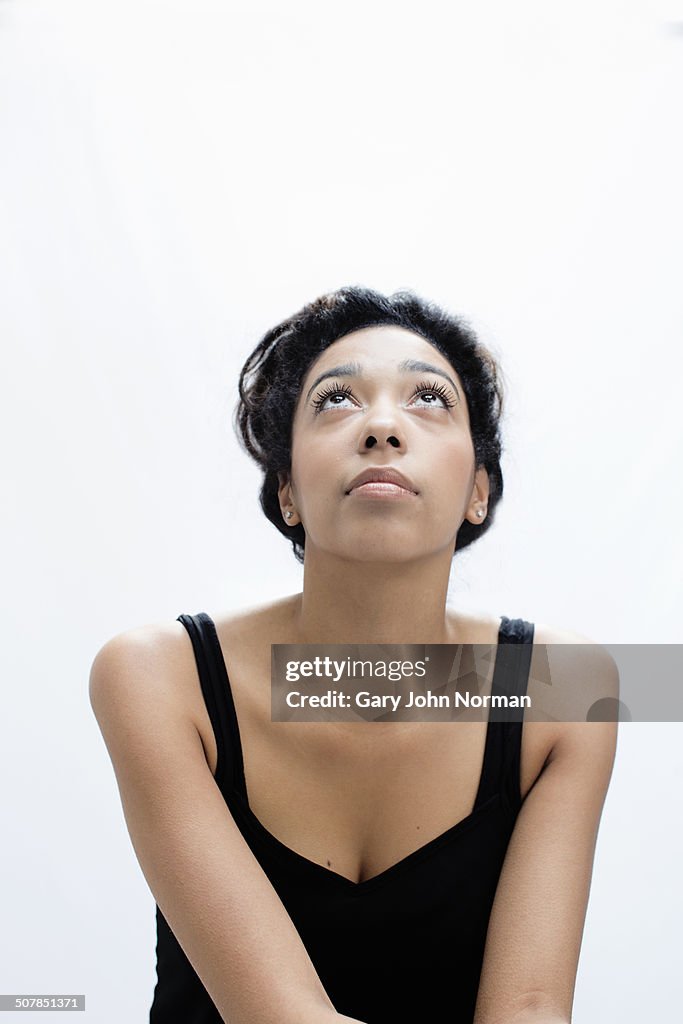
x,y
346,389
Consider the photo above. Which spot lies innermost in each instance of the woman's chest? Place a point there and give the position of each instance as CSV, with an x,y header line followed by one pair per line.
x,y
355,798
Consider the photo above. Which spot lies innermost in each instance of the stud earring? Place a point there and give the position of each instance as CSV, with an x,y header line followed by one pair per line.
x,y
289,514
480,512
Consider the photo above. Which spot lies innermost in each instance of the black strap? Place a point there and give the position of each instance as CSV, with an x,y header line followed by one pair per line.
x,y
502,750
215,684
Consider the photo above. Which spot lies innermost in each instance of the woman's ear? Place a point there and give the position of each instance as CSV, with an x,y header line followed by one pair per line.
x,y
284,492
286,498
482,485
477,509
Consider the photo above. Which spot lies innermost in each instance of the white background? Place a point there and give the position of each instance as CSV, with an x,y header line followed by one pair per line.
x,y
175,178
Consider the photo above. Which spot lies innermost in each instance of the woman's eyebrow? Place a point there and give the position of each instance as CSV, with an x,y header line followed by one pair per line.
x,y
356,370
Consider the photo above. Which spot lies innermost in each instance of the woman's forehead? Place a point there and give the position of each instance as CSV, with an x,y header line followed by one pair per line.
x,y
383,348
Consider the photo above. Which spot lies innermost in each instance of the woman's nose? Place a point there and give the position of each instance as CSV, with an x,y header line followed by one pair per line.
x,y
381,426
371,440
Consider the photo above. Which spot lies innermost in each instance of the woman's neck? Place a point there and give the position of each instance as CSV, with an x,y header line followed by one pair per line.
x,y
373,602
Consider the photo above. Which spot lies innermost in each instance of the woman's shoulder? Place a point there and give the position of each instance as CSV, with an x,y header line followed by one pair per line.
x,y
144,663
165,649
582,672
573,680
578,662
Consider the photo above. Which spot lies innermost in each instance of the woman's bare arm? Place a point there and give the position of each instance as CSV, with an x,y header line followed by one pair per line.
x,y
214,894
535,930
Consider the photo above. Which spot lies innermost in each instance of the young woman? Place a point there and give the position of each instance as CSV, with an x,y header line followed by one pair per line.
x,y
384,872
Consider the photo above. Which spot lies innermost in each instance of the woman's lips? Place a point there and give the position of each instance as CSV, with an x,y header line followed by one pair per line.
x,y
382,489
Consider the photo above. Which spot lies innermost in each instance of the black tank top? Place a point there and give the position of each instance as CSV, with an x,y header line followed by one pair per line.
x,y
404,946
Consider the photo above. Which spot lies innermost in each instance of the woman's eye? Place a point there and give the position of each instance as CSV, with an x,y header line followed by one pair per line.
x,y
434,397
335,395
330,393
438,394
334,400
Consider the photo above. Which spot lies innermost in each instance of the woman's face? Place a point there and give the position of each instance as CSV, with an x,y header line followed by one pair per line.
x,y
382,397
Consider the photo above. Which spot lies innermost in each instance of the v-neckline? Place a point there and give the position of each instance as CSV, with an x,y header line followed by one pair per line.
x,y
241,800
365,884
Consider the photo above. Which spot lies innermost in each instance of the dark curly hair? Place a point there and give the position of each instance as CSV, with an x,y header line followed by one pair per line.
x,y
271,378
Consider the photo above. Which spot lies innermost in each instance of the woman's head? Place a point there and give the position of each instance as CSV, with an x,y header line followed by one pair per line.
x,y
356,380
